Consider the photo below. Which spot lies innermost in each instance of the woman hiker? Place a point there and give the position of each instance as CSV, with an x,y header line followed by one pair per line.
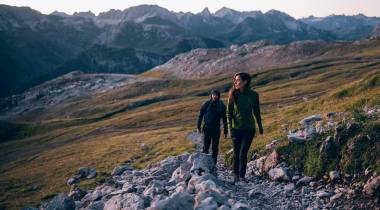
x,y
242,107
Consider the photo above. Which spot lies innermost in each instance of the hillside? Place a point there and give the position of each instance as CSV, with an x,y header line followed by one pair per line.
x,y
36,48
145,121
206,63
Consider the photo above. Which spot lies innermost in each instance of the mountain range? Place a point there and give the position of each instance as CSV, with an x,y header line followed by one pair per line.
x,y
35,47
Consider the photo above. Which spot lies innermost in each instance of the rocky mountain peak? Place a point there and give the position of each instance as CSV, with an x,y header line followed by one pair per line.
x,y
279,13
142,12
205,12
225,11
88,14
61,14
376,33
235,16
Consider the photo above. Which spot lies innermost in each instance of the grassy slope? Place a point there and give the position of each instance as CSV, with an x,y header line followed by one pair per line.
x,y
103,132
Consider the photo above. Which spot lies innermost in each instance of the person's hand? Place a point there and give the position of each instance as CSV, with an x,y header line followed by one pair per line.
x,y
261,131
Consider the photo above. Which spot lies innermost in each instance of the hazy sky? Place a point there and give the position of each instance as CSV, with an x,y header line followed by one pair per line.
x,y
295,8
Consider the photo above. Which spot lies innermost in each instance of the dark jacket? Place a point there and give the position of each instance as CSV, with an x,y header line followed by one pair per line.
x,y
211,113
239,115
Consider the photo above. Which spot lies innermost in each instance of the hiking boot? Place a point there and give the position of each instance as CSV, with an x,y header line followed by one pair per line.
x,y
243,179
236,179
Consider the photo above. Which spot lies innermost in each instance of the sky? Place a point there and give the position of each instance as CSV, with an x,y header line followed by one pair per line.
x,y
295,8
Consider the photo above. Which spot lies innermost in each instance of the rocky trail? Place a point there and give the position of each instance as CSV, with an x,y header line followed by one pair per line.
x,y
192,181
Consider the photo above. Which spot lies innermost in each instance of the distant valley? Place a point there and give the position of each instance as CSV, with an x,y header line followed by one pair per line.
x,y
35,47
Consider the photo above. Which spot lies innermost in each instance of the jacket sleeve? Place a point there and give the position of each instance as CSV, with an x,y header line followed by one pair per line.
x,y
224,118
256,111
229,115
201,114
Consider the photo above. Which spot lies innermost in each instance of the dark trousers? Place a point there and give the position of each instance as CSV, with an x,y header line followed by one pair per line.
x,y
241,140
211,137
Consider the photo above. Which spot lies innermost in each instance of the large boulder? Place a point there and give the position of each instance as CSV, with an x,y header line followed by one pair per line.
x,y
271,161
326,147
256,166
334,175
177,201
202,164
182,173
128,201
208,203
217,194
59,202
310,120
304,181
279,174
155,187
372,187
118,170
86,172
195,182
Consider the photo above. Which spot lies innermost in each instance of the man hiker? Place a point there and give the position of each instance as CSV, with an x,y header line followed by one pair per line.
x,y
211,112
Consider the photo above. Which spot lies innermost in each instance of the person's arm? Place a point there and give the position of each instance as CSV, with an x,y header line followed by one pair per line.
x,y
256,112
229,115
224,118
200,117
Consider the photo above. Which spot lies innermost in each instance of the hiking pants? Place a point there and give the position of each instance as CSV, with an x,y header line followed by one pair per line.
x,y
241,140
211,137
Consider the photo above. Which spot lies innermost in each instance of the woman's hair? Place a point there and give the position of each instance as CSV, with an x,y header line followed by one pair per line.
x,y
244,77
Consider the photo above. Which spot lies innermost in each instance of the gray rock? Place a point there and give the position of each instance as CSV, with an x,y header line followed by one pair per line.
x,y
372,187
322,194
218,196
118,170
279,174
254,193
240,206
334,175
97,205
311,119
197,180
336,197
207,204
224,207
202,163
271,161
327,145
295,138
77,194
100,192
125,201
155,188
256,166
177,201
295,178
304,181
71,181
182,173
330,114
59,202
86,172
289,187
205,185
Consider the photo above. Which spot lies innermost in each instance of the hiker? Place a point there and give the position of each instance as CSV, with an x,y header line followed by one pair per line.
x,y
243,104
211,112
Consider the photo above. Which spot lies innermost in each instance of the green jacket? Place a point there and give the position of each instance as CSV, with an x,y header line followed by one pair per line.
x,y
240,114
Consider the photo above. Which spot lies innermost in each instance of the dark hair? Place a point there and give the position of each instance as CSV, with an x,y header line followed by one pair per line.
x,y
215,92
244,77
